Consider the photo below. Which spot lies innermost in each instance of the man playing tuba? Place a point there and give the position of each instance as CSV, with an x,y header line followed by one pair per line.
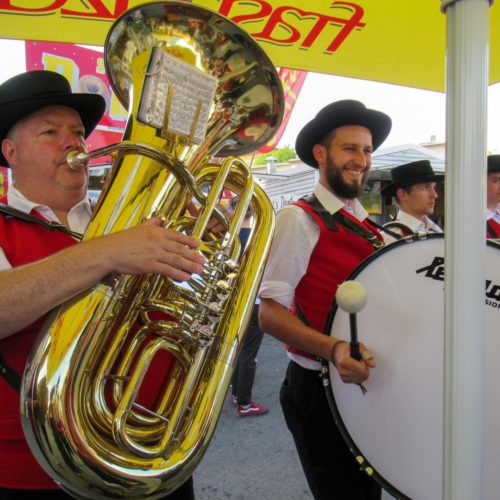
x,y
41,262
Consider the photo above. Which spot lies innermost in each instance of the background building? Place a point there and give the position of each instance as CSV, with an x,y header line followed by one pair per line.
x,y
287,182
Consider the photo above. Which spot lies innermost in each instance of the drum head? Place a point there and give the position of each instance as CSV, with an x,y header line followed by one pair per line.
x,y
397,427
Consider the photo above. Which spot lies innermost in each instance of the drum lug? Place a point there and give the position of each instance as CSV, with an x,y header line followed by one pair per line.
x,y
323,375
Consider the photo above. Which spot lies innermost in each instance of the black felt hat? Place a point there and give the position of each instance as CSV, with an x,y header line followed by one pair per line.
x,y
28,92
493,164
409,174
339,114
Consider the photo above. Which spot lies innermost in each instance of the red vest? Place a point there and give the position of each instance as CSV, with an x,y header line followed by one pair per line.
x,y
22,242
335,256
492,229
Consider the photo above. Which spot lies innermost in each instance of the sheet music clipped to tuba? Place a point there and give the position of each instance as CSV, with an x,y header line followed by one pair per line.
x,y
177,97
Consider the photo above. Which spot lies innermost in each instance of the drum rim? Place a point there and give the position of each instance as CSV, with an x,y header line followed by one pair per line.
x,y
366,466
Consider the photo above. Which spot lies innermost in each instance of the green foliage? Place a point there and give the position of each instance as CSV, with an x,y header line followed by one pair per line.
x,y
282,155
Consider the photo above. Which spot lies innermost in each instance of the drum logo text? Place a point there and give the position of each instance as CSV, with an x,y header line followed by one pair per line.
x,y
492,294
435,270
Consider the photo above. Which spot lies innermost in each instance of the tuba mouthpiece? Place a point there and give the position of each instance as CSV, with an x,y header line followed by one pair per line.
x,y
77,160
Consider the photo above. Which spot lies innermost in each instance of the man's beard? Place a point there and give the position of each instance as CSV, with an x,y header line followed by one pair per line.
x,y
339,186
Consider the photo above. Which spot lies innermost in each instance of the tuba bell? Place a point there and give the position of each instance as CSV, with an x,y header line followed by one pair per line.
x,y
82,409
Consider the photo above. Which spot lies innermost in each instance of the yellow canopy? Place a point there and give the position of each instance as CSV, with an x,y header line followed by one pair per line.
x,y
394,41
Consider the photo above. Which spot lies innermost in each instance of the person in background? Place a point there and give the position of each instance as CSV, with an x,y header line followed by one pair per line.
x,y
319,241
493,197
42,263
245,368
414,187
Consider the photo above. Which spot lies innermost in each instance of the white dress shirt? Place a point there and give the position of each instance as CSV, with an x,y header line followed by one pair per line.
x,y
423,226
78,216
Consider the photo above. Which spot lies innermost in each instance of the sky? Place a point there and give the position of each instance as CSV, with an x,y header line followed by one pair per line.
x,y
417,115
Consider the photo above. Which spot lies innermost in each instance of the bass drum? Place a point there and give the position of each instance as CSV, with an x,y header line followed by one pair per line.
x,y
395,430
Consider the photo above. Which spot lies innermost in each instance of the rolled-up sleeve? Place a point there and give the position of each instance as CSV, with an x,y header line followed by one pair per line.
x,y
294,240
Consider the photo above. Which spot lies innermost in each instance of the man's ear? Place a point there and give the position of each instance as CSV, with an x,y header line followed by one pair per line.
x,y
319,153
9,151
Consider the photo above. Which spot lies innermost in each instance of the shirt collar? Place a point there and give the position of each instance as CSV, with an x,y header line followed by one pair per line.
x,y
333,204
490,214
417,225
16,199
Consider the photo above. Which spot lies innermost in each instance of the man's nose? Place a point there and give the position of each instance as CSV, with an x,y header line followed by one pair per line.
x,y
74,140
361,159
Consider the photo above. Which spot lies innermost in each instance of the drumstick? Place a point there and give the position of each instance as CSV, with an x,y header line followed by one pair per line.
x,y
351,297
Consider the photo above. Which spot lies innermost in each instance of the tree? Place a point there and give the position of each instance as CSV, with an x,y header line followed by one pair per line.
x,y
282,155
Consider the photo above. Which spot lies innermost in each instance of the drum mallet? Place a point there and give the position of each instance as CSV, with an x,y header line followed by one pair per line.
x,y
351,297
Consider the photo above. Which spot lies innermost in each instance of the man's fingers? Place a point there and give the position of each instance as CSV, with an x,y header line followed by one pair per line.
x,y
366,354
184,259
368,358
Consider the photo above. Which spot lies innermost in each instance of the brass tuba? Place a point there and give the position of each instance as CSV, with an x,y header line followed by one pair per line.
x,y
81,409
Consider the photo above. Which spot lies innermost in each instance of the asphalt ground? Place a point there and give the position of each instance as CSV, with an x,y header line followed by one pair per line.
x,y
253,457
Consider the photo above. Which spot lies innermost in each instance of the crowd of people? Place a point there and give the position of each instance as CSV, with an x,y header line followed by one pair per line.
x,y
327,233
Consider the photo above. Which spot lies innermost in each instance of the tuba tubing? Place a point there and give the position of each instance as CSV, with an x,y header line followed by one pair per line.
x,y
82,399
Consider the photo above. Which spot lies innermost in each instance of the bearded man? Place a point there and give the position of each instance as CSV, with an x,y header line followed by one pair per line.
x,y
319,240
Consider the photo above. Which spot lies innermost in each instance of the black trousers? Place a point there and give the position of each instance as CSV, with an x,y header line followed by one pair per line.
x,y
330,468
184,492
244,371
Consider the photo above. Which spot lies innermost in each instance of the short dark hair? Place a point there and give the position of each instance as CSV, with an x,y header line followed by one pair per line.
x,y
407,189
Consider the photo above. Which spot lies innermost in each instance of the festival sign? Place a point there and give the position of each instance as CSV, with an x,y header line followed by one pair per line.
x,y
393,41
84,69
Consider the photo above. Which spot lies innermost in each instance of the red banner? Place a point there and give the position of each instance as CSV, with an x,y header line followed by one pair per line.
x,y
292,81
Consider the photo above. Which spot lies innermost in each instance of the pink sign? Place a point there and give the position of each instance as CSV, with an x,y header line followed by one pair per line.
x,y
84,69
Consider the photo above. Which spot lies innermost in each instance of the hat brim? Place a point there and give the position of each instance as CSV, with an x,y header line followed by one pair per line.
x,y
90,107
313,132
391,189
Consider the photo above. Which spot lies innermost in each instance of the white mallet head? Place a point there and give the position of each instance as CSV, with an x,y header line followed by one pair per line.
x,y
351,296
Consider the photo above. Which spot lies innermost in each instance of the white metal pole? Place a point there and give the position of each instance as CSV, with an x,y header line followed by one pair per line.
x,y
465,245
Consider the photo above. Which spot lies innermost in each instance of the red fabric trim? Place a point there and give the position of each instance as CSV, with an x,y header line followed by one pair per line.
x,y
307,355
495,227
